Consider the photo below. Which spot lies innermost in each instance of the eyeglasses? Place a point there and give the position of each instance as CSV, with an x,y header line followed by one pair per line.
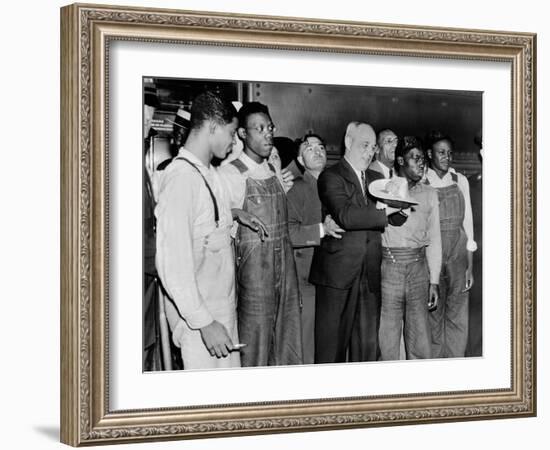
x,y
262,129
390,141
418,158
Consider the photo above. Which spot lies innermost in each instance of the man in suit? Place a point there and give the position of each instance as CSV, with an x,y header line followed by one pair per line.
x,y
364,339
306,229
339,267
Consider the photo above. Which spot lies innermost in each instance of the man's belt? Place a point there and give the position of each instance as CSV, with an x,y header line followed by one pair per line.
x,y
404,254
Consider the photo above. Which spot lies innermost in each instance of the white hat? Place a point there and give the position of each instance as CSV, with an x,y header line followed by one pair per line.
x,y
395,188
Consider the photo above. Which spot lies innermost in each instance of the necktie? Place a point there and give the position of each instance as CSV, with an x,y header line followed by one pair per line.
x,y
391,173
364,185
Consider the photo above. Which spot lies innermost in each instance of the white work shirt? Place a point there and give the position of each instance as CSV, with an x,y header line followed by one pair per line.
x,y
380,167
235,181
185,220
464,187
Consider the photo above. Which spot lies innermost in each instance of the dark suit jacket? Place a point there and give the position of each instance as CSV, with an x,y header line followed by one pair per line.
x,y
304,217
337,262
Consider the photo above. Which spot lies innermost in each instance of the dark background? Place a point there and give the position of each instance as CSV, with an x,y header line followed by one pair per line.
x,y
297,109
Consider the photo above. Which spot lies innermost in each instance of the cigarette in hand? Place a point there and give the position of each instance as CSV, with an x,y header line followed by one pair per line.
x,y
238,346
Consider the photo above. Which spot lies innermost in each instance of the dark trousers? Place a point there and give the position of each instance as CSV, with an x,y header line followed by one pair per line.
x,y
346,319
335,313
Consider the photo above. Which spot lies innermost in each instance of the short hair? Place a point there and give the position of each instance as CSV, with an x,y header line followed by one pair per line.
x,y
251,108
305,138
352,127
408,143
210,106
382,133
435,136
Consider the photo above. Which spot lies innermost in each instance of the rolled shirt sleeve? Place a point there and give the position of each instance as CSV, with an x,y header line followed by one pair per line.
x,y
468,222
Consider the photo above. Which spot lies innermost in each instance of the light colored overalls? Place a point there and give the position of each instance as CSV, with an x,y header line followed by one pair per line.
x,y
449,322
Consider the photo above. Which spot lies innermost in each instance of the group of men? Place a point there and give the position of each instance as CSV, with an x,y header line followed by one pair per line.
x,y
345,263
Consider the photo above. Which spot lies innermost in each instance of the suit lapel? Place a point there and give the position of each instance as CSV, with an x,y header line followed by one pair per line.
x,y
311,182
349,174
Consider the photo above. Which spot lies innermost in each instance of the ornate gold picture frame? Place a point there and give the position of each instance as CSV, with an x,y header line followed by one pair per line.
x,y
87,32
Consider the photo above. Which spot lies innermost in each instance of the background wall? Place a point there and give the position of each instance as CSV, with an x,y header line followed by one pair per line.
x,y
326,110
29,227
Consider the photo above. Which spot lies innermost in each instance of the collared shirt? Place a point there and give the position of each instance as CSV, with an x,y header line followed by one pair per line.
x,y
359,174
185,216
235,181
464,187
421,229
381,167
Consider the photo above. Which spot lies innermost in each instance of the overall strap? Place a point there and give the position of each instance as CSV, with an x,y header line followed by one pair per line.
x,y
454,176
216,211
239,165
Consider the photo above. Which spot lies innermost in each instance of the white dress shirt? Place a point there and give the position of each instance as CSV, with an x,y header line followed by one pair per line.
x,y
359,176
377,166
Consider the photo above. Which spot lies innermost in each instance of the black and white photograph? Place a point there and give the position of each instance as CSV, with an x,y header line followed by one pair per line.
x,y
298,224
295,221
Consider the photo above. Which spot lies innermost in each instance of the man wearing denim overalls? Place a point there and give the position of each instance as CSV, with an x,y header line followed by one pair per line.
x,y
268,306
449,322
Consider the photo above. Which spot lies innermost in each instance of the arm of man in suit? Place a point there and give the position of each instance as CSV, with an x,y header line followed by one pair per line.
x,y
340,205
300,235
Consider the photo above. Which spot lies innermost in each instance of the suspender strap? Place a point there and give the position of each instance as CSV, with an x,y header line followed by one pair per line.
x,y
216,211
454,177
239,165
242,166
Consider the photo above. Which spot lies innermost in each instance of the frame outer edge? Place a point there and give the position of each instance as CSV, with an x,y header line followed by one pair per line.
x,y
82,390
533,236
69,210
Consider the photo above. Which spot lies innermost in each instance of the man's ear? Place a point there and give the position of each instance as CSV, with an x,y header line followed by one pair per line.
x,y
300,159
429,153
242,133
400,161
347,141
